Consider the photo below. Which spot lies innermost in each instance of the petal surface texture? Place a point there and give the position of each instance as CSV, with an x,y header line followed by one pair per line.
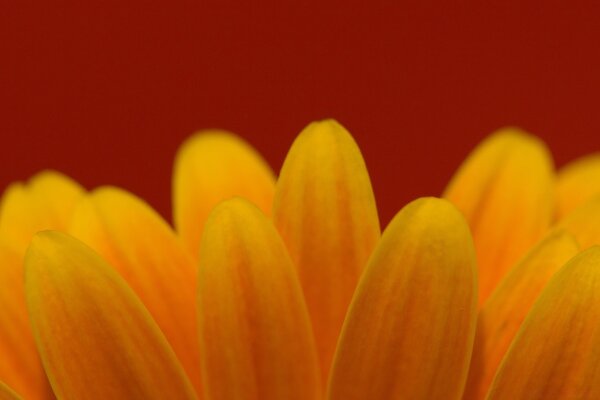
x,y
212,166
410,328
503,313
7,393
127,233
254,327
20,365
577,182
505,190
556,354
325,210
96,339
45,202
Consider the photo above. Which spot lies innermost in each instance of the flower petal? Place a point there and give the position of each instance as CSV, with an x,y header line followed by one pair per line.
x,y
254,327
20,365
94,335
556,354
584,223
577,182
410,328
146,252
45,202
7,393
505,190
325,210
502,314
212,166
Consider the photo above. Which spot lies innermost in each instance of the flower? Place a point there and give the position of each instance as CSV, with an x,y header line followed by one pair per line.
x,y
285,289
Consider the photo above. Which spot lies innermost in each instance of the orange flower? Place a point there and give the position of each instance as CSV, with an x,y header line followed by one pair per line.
x,y
285,289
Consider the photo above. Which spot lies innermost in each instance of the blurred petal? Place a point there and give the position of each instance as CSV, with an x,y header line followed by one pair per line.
x,y
556,354
505,190
20,365
45,202
95,337
146,252
212,166
577,182
7,393
325,210
254,327
410,328
584,223
502,315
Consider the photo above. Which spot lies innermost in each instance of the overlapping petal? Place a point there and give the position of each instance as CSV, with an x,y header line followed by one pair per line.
x,y
95,337
255,331
577,182
212,166
410,328
505,189
7,393
146,252
503,313
556,354
584,223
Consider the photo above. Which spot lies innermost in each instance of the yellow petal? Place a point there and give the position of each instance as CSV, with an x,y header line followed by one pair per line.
x,y
505,190
556,354
577,182
502,314
410,328
212,166
7,393
254,327
325,210
45,202
146,252
584,223
96,339
20,365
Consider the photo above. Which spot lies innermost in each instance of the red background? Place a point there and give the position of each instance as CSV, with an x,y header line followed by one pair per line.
x,y
105,91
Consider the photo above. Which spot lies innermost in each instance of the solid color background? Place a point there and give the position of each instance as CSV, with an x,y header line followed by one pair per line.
x,y
106,91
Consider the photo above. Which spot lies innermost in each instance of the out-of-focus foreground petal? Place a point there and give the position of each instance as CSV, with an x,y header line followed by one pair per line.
x,y
212,166
255,332
7,393
146,252
577,182
20,365
503,313
325,210
505,189
584,223
95,338
45,202
556,354
410,328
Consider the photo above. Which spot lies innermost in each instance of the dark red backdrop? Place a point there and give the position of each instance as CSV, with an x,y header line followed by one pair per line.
x,y
105,92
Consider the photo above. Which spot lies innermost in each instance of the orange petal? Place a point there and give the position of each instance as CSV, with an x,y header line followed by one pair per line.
x,y
212,166
325,211
7,393
410,328
254,327
505,190
577,182
146,252
45,202
556,354
502,315
584,223
96,339
20,365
